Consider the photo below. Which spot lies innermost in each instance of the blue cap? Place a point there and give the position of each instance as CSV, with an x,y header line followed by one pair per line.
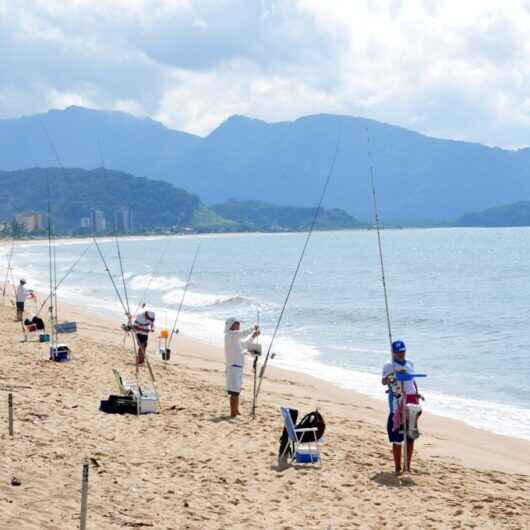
x,y
398,346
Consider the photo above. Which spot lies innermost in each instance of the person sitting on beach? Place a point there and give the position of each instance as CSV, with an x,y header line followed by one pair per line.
x,y
21,294
236,343
143,324
395,435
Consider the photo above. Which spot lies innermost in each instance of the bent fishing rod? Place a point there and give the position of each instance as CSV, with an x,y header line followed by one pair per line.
x,y
297,269
385,291
379,241
174,329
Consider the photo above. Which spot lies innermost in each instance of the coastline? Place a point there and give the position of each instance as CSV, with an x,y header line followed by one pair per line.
x,y
191,467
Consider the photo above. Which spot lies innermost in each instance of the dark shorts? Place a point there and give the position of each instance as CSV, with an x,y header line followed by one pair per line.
x,y
141,339
20,306
230,393
395,437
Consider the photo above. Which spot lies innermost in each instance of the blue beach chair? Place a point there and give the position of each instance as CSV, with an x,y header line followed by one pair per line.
x,y
306,453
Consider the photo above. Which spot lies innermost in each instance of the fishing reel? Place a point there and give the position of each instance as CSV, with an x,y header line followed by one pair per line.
x,y
394,386
127,327
255,349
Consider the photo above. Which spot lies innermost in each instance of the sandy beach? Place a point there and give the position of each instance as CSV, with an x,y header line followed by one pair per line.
x,y
190,467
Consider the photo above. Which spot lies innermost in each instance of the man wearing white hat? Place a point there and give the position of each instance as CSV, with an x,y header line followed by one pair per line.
x,y
22,294
237,342
144,323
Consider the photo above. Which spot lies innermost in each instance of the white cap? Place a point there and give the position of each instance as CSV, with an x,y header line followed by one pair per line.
x,y
229,323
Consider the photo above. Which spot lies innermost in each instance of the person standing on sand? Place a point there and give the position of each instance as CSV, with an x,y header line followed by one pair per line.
x,y
396,435
144,323
236,343
21,294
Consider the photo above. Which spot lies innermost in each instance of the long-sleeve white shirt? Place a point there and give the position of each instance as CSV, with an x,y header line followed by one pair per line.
x,y
236,343
22,293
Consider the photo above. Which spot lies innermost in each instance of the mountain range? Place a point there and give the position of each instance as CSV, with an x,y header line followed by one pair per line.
x,y
419,179
154,205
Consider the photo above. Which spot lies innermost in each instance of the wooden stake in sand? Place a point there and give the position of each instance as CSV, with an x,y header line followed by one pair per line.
x,y
10,412
84,497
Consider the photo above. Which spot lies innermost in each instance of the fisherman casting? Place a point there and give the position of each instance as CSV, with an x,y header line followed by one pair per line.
x,y
397,404
144,323
22,295
237,343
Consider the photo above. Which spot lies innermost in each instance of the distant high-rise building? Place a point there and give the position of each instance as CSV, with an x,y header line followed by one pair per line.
x,y
31,221
85,222
123,219
97,221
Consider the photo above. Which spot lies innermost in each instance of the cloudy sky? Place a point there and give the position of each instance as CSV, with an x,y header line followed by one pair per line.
x,y
454,68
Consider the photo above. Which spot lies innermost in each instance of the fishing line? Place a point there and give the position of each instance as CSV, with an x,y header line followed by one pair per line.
x,y
128,311
51,235
173,329
152,275
68,272
313,223
379,240
8,271
118,294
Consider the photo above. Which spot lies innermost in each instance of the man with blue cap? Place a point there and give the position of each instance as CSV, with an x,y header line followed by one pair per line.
x,y
395,417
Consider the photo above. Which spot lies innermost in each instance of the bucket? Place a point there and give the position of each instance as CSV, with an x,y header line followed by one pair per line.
x,y
306,456
164,333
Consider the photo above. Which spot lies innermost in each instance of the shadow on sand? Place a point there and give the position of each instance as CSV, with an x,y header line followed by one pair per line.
x,y
391,480
219,419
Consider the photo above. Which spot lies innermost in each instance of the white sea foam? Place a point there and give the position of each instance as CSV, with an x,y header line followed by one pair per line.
x,y
204,312
154,283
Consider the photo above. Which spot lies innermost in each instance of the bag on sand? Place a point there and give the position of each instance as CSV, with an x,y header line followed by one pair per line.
x,y
309,421
312,420
119,405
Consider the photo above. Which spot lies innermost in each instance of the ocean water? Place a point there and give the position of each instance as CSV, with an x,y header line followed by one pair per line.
x,y
460,298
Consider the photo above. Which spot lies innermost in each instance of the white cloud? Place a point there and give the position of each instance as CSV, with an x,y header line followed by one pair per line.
x,y
449,68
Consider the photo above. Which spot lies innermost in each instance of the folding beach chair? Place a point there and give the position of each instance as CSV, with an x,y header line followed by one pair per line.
x,y
124,386
306,452
148,398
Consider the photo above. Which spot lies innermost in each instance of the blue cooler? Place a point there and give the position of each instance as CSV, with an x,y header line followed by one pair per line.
x,y
306,456
60,353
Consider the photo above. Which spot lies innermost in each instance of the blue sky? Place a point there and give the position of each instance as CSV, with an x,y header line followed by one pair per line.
x,y
454,69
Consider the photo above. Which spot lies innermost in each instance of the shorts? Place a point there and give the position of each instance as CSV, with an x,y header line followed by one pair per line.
x,y
20,306
234,379
141,339
394,437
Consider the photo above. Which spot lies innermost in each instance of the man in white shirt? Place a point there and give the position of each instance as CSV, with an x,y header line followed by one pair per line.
x,y
395,431
21,294
144,323
236,344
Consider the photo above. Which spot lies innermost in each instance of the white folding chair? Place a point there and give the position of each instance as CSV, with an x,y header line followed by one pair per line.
x,y
124,386
305,452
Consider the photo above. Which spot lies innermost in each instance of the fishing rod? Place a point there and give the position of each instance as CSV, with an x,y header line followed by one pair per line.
x,y
379,243
306,243
152,275
126,306
52,252
255,370
385,291
174,329
68,272
8,270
